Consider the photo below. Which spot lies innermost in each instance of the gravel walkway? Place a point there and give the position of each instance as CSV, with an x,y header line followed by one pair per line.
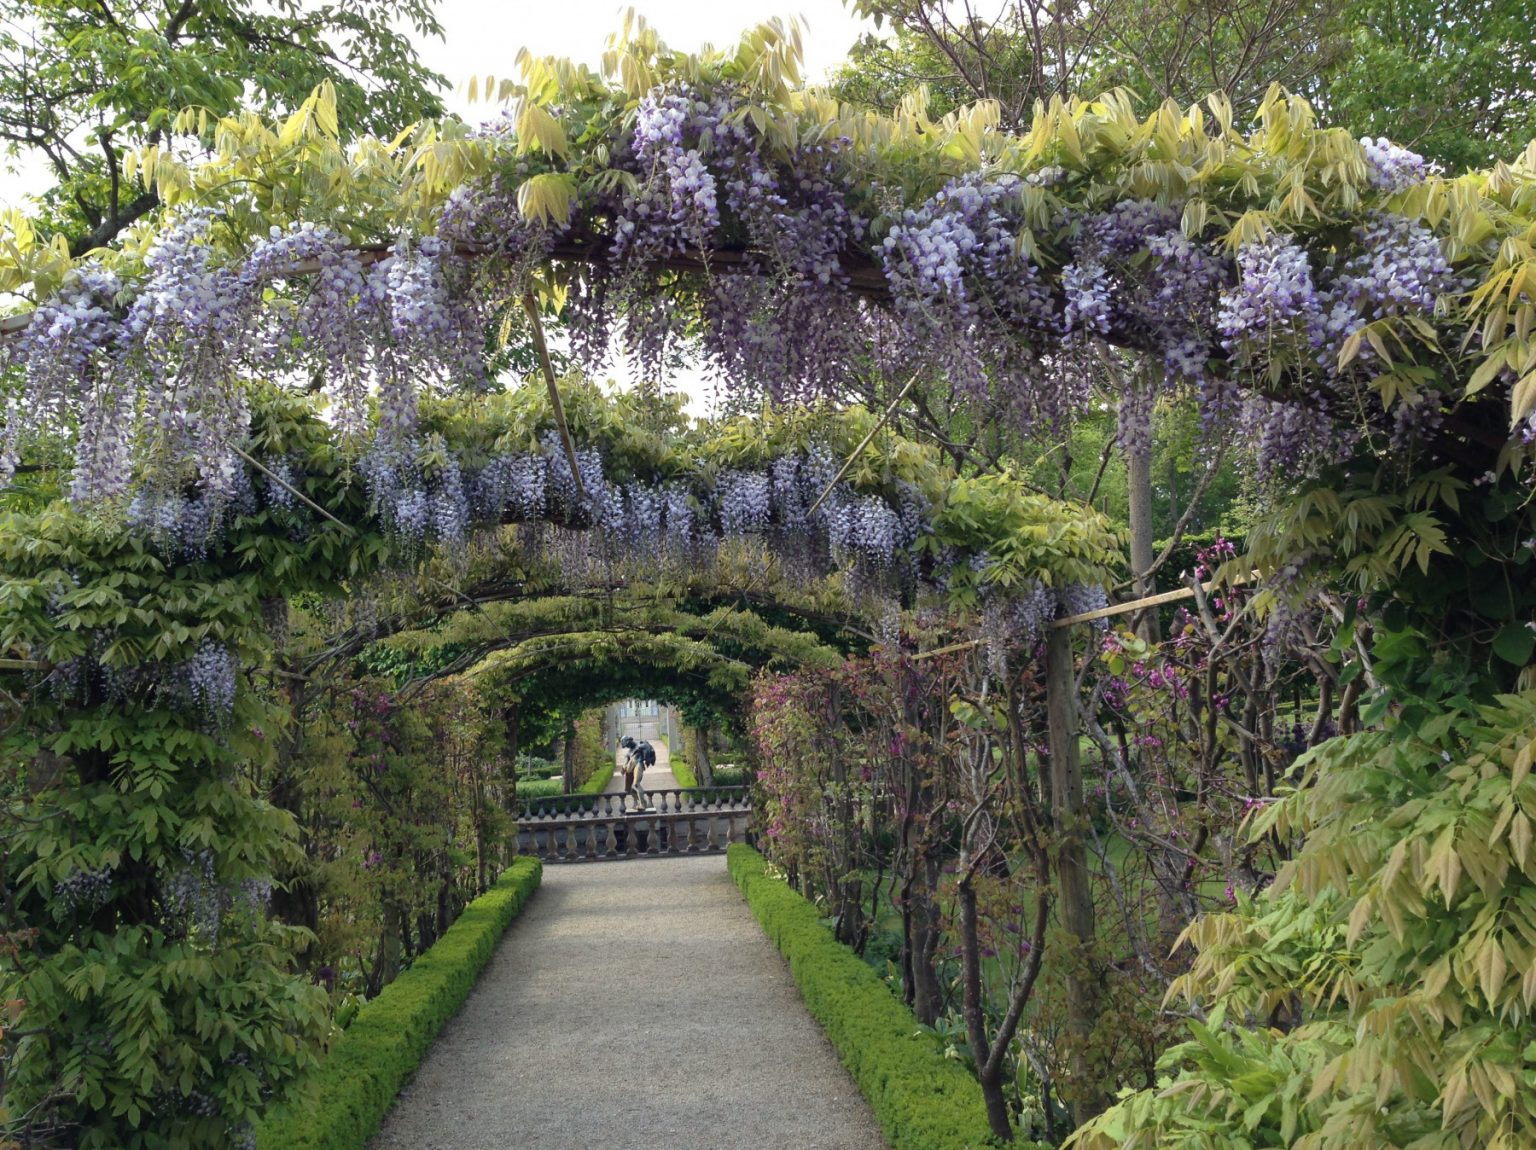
x,y
633,1005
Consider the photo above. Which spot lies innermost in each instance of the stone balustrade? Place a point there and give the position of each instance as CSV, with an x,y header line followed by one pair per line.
x,y
668,800
591,837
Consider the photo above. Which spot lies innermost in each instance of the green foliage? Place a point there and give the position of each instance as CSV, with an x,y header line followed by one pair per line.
x,y
1462,96
159,1013
87,84
683,772
1029,50
1393,957
356,1082
731,777
922,1100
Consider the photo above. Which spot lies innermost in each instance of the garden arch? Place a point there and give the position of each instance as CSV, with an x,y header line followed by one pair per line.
x,y
821,252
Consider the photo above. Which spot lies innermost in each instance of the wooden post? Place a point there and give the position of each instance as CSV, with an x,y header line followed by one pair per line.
x,y
1139,483
1076,895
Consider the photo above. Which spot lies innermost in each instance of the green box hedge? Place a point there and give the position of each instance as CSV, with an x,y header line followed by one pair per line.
x,y
357,1081
922,1100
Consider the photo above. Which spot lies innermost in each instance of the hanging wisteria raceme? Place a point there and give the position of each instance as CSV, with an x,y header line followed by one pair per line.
x,y
148,375
1392,167
811,272
1013,625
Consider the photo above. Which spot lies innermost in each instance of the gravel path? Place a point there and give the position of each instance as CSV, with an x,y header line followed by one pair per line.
x,y
633,1005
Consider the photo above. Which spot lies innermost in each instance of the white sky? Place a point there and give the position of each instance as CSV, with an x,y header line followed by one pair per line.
x,y
482,37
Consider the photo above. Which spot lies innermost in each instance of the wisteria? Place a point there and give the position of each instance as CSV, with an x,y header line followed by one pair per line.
x,y
1392,167
194,897
810,272
83,891
961,285
210,677
1081,598
1275,300
1010,626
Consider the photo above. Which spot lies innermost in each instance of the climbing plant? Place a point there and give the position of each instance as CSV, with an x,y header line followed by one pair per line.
x,y
138,865
1366,324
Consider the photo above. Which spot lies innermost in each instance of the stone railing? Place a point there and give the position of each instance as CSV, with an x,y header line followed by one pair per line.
x,y
634,835
670,800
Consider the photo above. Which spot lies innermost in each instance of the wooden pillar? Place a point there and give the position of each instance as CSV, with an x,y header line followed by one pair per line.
x,y
1074,892
1139,483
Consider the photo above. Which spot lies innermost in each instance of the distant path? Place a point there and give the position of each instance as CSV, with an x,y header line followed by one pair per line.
x,y
633,1006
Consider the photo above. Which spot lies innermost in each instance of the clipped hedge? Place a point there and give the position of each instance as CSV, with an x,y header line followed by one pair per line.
x,y
922,1100
547,795
357,1081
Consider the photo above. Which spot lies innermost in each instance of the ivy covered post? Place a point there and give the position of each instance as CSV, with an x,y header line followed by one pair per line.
x,y
1075,892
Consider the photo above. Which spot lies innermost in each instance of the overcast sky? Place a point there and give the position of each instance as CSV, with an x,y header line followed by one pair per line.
x,y
483,37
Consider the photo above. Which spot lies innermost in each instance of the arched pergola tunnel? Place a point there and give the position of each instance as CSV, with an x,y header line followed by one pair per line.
x,y
1286,263
138,651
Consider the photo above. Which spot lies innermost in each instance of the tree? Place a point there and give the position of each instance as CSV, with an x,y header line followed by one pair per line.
x,y
85,84
1033,50
1451,80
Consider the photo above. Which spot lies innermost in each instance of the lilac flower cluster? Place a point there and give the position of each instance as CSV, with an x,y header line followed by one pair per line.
x,y
1392,168
675,204
788,322
176,524
193,896
1274,301
1401,269
512,486
83,890
209,678
1080,598
1138,275
149,379
61,351
1014,624
961,285
744,500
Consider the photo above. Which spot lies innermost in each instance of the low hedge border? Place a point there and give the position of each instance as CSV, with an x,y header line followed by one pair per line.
x,y
357,1081
922,1100
559,801
683,773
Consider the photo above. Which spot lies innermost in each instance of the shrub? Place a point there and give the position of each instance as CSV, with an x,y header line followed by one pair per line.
x,y
922,1100
729,776
356,1083
548,797
682,771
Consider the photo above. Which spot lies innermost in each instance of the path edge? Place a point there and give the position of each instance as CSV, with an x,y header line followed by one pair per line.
x,y
346,1098
922,1100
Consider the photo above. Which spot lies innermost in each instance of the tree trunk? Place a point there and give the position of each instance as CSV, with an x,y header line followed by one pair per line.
x,y
703,770
568,775
988,1070
511,718
1067,810
923,944
1143,552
